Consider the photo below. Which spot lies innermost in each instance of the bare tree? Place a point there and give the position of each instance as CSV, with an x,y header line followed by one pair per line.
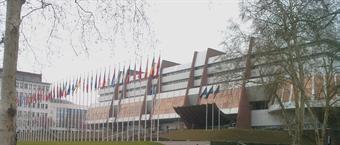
x,y
123,17
296,41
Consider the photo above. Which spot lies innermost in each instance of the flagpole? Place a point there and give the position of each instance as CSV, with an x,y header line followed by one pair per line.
x,y
93,117
134,96
54,122
212,116
81,88
73,114
139,88
89,110
219,119
116,119
77,128
145,112
97,106
103,106
159,73
82,111
84,106
206,115
113,106
112,101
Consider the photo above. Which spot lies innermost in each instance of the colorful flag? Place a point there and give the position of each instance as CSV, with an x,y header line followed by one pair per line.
x,y
104,79
211,90
64,89
74,86
113,78
69,88
134,72
84,86
99,81
146,69
57,91
140,71
53,91
87,84
95,82
123,74
91,84
158,66
152,67
127,77
60,90
79,82
204,92
108,78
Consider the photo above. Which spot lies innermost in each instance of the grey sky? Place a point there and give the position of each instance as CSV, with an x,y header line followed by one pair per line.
x,y
180,28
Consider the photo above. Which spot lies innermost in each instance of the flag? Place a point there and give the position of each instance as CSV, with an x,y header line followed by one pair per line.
x,y
84,84
95,82
64,89
79,83
113,78
74,85
60,91
158,66
152,68
57,91
204,92
49,96
134,72
104,79
211,90
99,81
108,78
146,69
140,71
35,97
87,84
127,77
91,84
123,74
53,91
69,88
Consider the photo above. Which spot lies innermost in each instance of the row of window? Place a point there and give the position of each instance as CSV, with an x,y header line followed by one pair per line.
x,y
31,86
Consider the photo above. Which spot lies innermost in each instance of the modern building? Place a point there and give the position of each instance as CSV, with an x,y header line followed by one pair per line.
x,y
204,93
29,116
39,118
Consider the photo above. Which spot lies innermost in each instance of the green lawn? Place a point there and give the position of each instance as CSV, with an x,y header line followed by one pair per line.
x,y
243,135
88,143
234,135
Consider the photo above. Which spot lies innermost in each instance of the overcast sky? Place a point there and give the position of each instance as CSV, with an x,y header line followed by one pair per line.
x,y
179,26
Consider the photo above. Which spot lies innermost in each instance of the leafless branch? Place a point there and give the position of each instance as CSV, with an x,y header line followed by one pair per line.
x,y
43,5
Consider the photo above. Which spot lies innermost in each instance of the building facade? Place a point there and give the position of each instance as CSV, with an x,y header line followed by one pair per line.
x,y
204,93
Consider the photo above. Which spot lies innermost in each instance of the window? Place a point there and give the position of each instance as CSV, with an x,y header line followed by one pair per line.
x,y
259,105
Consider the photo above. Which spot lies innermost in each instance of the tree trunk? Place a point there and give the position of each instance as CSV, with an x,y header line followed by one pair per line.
x,y
8,91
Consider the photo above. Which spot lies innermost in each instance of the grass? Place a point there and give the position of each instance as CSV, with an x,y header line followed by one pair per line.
x,y
236,135
88,143
242,135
